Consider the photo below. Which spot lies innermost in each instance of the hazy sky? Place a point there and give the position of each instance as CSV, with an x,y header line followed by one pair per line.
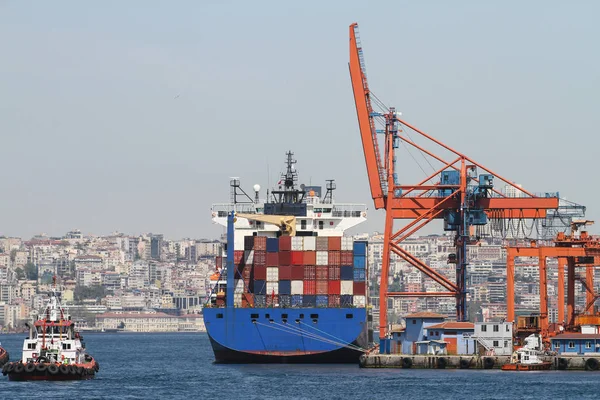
x,y
132,115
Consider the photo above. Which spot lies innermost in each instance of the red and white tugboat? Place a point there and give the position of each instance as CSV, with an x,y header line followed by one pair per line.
x,y
54,351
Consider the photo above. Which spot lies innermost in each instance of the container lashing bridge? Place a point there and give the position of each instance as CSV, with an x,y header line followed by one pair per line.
x,y
455,193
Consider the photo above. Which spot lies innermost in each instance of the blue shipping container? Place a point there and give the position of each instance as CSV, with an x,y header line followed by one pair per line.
x,y
297,300
260,301
309,300
285,300
359,275
285,287
360,249
346,300
360,262
322,301
260,287
272,245
346,273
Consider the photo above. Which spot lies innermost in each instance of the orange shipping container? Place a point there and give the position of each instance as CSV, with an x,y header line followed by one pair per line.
x,y
310,287
297,258
335,243
321,287
334,287
310,257
322,273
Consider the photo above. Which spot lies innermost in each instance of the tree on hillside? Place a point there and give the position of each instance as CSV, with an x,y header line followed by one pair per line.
x,y
31,271
20,273
89,292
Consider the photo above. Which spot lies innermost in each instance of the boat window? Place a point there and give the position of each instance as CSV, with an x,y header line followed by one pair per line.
x,y
284,315
496,344
349,316
320,224
31,346
483,328
506,343
267,316
301,315
496,328
327,210
219,315
303,224
253,315
588,345
507,328
571,345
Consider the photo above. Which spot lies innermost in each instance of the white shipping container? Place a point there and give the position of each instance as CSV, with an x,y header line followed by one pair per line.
x,y
347,287
310,243
239,286
297,287
272,287
238,242
322,258
297,243
347,243
360,301
272,274
249,256
237,299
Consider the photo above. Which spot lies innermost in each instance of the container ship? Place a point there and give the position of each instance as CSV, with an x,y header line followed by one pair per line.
x,y
289,286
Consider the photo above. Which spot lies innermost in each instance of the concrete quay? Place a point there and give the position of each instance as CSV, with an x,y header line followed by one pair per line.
x,y
560,362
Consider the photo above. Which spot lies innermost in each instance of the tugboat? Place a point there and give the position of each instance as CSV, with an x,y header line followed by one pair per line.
x,y
528,357
3,356
54,351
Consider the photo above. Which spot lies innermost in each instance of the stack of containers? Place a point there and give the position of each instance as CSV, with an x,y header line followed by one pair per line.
x,y
259,288
360,274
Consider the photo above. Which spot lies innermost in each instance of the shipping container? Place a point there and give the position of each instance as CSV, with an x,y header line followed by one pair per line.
x,y
310,273
359,275
297,258
248,242
239,286
322,243
322,257
310,257
238,256
346,287
335,243
285,300
334,272
321,287
285,257
285,243
285,273
260,258
359,288
334,257
322,301
249,257
272,274
360,262
309,301
347,243
238,243
310,243
219,262
285,287
260,273
346,273
272,288
260,243
260,287
359,249
260,301
272,259
334,300
272,300
297,287
310,287
297,272
346,301
346,258
297,244
247,283
333,287
247,272
272,245
360,301
322,272
237,299
297,300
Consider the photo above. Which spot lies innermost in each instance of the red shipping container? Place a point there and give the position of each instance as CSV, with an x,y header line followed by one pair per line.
x,y
246,272
238,256
272,259
260,258
359,288
310,257
297,272
310,273
321,287
260,273
285,273
285,257
334,300
285,243
297,258
260,243
335,243
334,287
334,273
322,272
272,300
346,258
334,258
246,285
310,287
219,261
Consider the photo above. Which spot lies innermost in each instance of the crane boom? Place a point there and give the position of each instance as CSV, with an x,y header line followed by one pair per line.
x,y
286,223
364,110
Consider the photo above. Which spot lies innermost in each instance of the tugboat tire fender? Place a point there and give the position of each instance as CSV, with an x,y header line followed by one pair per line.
x,y
80,370
592,364
52,369
73,369
406,362
19,368
64,369
488,363
10,367
30,367
41,367
97,366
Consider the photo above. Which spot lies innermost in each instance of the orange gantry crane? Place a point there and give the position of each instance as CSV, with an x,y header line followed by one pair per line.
x,y
454,193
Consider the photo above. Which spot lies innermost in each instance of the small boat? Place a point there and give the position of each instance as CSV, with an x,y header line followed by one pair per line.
x,y
3,356
53,350
528,357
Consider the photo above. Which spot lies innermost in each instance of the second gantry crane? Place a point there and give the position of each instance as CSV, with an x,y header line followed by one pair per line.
x,y
454,193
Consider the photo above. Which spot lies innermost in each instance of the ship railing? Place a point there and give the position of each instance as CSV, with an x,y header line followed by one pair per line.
x,y
223,209
348,210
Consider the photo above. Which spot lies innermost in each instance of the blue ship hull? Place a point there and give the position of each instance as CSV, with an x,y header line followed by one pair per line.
x,y
286,335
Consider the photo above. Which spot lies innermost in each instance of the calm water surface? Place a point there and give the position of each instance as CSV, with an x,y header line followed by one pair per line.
x,y
178,366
